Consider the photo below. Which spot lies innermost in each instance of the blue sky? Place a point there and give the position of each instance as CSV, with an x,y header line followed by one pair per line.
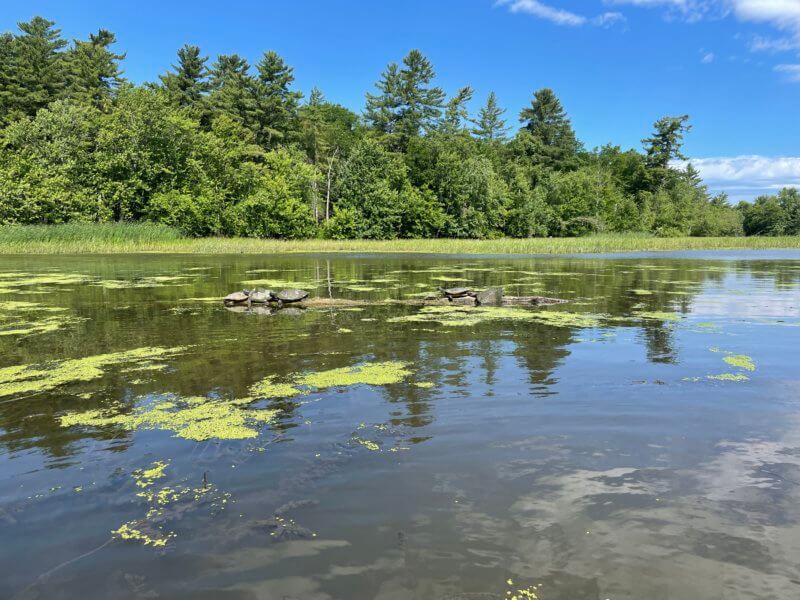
x,y
617,65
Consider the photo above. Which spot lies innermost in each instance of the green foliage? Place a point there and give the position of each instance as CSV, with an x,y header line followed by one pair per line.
x,y
93,70
407,103
275,111
34,68
773,215
490,124
229,150
187,83
552,140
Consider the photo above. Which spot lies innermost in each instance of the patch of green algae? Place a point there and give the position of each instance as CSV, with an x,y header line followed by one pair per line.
x,y
146,477
740,361
377,373
26,379
466,316
729,377
146,530
196,418
658,315
267,388
15,318
425,385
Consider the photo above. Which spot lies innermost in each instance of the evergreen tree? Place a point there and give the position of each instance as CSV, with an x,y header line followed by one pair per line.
x,y
275,103
188,82
490,125
37,75
383,110
455,114
407,103
665,143
93,69
551,131
6,75
232,89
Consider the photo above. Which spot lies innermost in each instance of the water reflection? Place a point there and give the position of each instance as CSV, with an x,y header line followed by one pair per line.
x,y
597,462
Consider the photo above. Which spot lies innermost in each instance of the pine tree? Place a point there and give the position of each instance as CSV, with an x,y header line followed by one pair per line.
x,y
490,125
188,83
383,109
407,102
93,69
456,114
232,89
665,143
275,103
551,130
37,74
6,76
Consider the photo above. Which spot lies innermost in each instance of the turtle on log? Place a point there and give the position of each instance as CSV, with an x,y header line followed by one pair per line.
x,y
236,298
289,296
260,296
458,292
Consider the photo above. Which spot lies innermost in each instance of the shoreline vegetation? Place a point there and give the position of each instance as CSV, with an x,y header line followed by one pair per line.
x,y
220,148
89,238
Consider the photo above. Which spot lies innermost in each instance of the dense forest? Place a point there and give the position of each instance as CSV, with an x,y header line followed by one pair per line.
x,y
230,148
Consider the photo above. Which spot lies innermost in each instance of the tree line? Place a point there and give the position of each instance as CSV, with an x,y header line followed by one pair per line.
x,y
230,148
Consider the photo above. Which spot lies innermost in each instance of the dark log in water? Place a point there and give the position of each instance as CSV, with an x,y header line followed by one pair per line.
x,y
438,301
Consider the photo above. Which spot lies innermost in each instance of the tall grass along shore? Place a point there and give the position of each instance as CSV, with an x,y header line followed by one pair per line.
x,y
85,238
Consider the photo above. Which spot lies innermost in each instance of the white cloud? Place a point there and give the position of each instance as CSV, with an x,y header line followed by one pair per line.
x,y
608,19
560,16
708,58
792,72
745,177
545,11
691,10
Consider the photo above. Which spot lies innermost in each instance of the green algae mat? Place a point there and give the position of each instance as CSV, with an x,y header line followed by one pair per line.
x,y
637,440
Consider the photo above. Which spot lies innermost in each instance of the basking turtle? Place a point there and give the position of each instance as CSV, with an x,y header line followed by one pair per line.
x,y
459,292
260,296
236,298
289,296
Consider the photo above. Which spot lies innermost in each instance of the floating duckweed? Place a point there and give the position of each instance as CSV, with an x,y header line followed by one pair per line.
x,y
450,279
278,283
146,477
142,282
642,292
130,531
24,379
658,315
740,361
14,322
709,326
425,385
463,316
380,373
362,288
267,388
729,377
344,330
196,419
368,444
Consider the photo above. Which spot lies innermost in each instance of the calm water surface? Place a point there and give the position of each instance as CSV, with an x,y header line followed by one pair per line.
x,y
650,451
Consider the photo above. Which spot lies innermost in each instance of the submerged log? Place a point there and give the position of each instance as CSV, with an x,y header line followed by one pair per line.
x,y
487,301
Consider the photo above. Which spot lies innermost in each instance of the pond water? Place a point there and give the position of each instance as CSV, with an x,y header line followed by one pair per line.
x,y
640,442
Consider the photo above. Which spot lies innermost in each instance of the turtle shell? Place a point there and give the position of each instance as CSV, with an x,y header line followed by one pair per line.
x,y
235,298
456,292
291,295
260,296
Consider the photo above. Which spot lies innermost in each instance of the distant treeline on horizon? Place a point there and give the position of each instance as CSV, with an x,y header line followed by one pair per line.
x,y
229,148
